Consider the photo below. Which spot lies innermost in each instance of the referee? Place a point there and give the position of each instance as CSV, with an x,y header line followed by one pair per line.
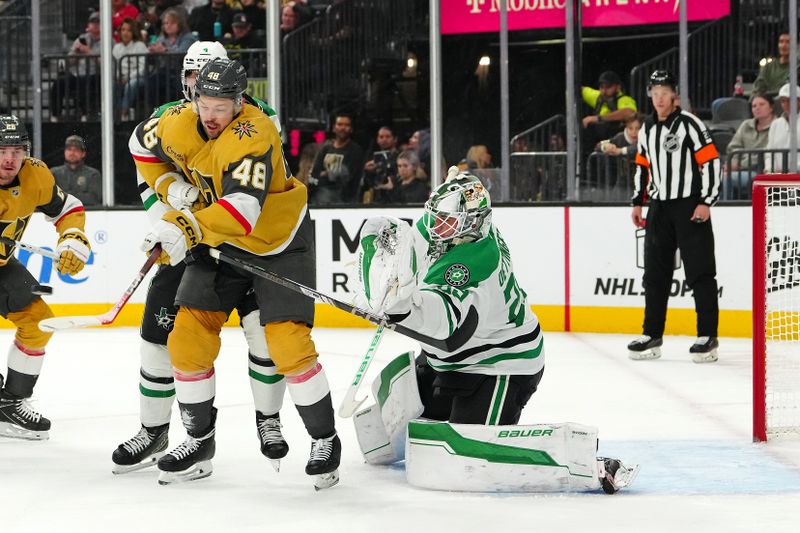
x,y
678,174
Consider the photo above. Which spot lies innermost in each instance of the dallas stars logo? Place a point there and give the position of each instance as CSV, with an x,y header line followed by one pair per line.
x,y
164,319
244,128
457,275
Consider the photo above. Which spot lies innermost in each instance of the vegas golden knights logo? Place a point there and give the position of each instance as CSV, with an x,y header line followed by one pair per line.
x,y
12,230
204,183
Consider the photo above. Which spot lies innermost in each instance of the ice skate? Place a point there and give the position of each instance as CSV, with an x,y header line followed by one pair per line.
x,y
323,463
273,445
18,420
614,476
644,348
189,461
142,450
704,350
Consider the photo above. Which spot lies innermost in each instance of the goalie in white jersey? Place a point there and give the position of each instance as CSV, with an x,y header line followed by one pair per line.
x,y
450,264
436,277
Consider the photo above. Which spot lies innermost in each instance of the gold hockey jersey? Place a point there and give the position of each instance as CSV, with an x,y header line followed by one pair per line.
x,y
35,189
250,198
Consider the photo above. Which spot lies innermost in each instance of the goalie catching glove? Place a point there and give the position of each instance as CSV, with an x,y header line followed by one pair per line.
x,y
385,264
177,231
73,251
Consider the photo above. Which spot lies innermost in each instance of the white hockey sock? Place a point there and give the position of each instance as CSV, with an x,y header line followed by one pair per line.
x,y
267,385
156,385
309,387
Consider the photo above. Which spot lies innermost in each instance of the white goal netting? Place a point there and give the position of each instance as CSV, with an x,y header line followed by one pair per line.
x,y
782,314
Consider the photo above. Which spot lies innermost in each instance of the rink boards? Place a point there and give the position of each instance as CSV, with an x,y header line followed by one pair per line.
x,y
580,266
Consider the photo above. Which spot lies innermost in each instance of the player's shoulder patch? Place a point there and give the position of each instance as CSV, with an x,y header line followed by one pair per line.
x,y
244,127
457,275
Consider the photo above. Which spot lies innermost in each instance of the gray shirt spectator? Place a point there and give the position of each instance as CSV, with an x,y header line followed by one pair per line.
x,y
77,178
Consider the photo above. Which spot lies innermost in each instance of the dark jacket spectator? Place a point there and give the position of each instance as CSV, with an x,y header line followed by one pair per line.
x,y
75,177
203,18
337,168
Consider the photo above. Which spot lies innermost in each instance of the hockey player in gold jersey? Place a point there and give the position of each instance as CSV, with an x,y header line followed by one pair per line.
x,y
253,208
26,185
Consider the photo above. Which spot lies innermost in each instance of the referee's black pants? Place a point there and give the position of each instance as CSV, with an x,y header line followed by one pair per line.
x,y
669,226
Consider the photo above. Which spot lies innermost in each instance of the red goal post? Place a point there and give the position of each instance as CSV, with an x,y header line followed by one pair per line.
x,y
776,306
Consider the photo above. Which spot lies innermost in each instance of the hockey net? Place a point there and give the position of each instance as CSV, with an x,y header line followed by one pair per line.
x,y
776,306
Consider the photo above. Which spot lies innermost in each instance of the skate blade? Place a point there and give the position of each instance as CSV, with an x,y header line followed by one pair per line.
x,y
625,476
708,357
13,431
326,481
200,470
276,464
147,463
652,353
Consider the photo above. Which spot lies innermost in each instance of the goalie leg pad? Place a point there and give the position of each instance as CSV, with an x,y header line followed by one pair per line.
x,y
477,458
156,385
381,428
194,342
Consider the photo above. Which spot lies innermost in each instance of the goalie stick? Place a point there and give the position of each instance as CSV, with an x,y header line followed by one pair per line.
x,y
29,247
459,337
349,403
59,323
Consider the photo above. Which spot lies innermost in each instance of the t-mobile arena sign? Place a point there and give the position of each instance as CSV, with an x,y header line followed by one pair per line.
x,y
474,16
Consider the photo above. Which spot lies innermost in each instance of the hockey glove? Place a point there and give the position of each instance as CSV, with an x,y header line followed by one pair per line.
x,y
381,238
182,195
177,231
73,251
404,293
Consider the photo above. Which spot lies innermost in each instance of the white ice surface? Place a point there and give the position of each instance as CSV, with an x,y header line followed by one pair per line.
x,y
688,425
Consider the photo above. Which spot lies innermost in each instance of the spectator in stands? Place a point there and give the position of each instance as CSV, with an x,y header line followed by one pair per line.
x,y
778,137
337,168
162,84
307,156
130,70
121,10
82,78
77,178
775,73
150,12
176,36
410,185
556,143
753,134
290,19
203,18
624,142
382,166
478,157
256,13
610,107
243,36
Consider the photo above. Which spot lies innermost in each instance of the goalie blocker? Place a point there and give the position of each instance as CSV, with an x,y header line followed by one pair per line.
x,y
474,457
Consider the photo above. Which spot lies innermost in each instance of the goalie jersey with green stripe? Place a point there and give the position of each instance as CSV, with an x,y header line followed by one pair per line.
x,y
414,281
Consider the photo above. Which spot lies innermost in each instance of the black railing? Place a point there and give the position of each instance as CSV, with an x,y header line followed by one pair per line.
x,y
548,135
609,178
741,166
538,177
327,63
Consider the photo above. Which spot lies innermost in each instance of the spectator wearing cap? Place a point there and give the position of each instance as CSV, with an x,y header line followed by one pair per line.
x,y
77,178
256,13
243,35
610,108
778,137
203,18
82,80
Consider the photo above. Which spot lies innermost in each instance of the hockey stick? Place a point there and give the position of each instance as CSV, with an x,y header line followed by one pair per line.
x,y
59,323
29,247
349,403
458,338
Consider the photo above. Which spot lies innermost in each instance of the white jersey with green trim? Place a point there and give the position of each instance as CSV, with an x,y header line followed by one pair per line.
x,y
508,339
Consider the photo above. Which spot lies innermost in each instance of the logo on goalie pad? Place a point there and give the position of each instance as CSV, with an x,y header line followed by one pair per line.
x,y
457,275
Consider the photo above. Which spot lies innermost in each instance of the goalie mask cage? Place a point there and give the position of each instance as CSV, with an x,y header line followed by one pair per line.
x,y
776,306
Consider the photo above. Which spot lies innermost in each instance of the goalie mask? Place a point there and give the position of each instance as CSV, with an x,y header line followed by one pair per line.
x,y
196,58
459,210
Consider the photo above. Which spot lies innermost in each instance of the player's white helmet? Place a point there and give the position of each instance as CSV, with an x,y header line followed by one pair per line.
x,y
200,53
459,210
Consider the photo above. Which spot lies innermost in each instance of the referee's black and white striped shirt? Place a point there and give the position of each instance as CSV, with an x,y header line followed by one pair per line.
x,y
676,159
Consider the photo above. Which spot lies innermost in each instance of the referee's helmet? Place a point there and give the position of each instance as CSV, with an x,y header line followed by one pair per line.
x,y
662,77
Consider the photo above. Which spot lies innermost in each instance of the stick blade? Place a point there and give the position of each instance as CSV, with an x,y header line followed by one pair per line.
x,y
60,323
349,406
